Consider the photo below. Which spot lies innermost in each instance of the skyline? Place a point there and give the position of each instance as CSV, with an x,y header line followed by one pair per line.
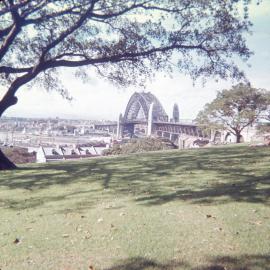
x,y
100,100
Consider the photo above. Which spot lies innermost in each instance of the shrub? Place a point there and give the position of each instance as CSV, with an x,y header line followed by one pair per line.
x,y
140,145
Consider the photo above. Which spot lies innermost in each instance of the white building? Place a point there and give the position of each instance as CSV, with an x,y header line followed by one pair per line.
x,y
224,136
47,154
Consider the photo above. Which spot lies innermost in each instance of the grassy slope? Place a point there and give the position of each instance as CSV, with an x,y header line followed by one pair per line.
x,y
146,211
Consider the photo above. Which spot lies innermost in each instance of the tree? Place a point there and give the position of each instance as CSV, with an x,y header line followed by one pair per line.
x,y
124,41
235,109
263,128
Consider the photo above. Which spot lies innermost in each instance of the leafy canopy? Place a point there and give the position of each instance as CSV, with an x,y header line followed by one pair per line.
x,y
235,109
124,41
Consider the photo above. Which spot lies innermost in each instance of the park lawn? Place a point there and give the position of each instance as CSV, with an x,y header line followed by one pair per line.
x,y
203,209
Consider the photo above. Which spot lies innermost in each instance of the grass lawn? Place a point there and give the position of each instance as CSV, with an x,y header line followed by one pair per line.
x,y
203,209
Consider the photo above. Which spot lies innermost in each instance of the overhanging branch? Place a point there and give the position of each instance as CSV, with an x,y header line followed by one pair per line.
x,y
9,70
114,58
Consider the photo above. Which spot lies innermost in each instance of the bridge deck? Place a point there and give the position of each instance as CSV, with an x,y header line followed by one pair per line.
x,y
141,122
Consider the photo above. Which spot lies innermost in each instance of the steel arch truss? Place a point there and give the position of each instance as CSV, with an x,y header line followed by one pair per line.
x,y
138,108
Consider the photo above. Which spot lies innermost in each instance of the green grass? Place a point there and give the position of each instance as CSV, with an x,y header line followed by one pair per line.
x,y
204,209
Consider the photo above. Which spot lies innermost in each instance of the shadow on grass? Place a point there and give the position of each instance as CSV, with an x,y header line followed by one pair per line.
x,y
139,263
245,262
210,176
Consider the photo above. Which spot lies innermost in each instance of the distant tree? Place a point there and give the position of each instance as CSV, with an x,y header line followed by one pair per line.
x,y
123,41
235,109
263,128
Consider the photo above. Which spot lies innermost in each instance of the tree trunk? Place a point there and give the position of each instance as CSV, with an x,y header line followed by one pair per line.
x,y
238,137
5,103
8,100
5,163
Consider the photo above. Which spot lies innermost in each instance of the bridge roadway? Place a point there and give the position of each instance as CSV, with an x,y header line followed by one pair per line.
x,y
172,131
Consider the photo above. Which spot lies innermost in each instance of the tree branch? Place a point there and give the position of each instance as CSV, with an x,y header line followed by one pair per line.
x,y
69,31
114,58
8,70
14,30
9,99
14,7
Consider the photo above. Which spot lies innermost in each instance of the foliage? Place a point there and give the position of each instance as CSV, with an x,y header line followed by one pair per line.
x,y
235,109
124,41
263,128
140,145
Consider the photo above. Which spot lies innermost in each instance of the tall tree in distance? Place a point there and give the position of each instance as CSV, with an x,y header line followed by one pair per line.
x,y
124,41
235,109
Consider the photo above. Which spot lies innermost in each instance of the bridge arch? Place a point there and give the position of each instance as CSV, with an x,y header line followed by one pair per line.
x,y
138,108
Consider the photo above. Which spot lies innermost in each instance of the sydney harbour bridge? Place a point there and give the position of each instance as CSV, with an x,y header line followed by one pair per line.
x,y
145,116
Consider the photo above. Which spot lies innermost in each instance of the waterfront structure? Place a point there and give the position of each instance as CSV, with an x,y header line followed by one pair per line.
x,y
145,116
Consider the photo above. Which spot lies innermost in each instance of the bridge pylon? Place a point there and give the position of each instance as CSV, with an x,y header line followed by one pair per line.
x,y
119,133
150,120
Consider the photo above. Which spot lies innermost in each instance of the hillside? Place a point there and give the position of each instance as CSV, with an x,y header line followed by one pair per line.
x,y
19,155
201,209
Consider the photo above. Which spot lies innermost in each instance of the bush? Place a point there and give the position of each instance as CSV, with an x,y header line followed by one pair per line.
x,y
140,145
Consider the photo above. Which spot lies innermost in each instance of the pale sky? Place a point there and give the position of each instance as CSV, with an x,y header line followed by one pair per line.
x,y
98,99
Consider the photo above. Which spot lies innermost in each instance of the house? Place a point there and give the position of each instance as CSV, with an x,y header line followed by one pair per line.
x,y
48,154
45,154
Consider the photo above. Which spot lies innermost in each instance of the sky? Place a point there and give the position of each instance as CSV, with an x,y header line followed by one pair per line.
x,y
98,99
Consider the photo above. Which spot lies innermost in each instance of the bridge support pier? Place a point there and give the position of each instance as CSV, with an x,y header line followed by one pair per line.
x,y
150,120
181,143
119,133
